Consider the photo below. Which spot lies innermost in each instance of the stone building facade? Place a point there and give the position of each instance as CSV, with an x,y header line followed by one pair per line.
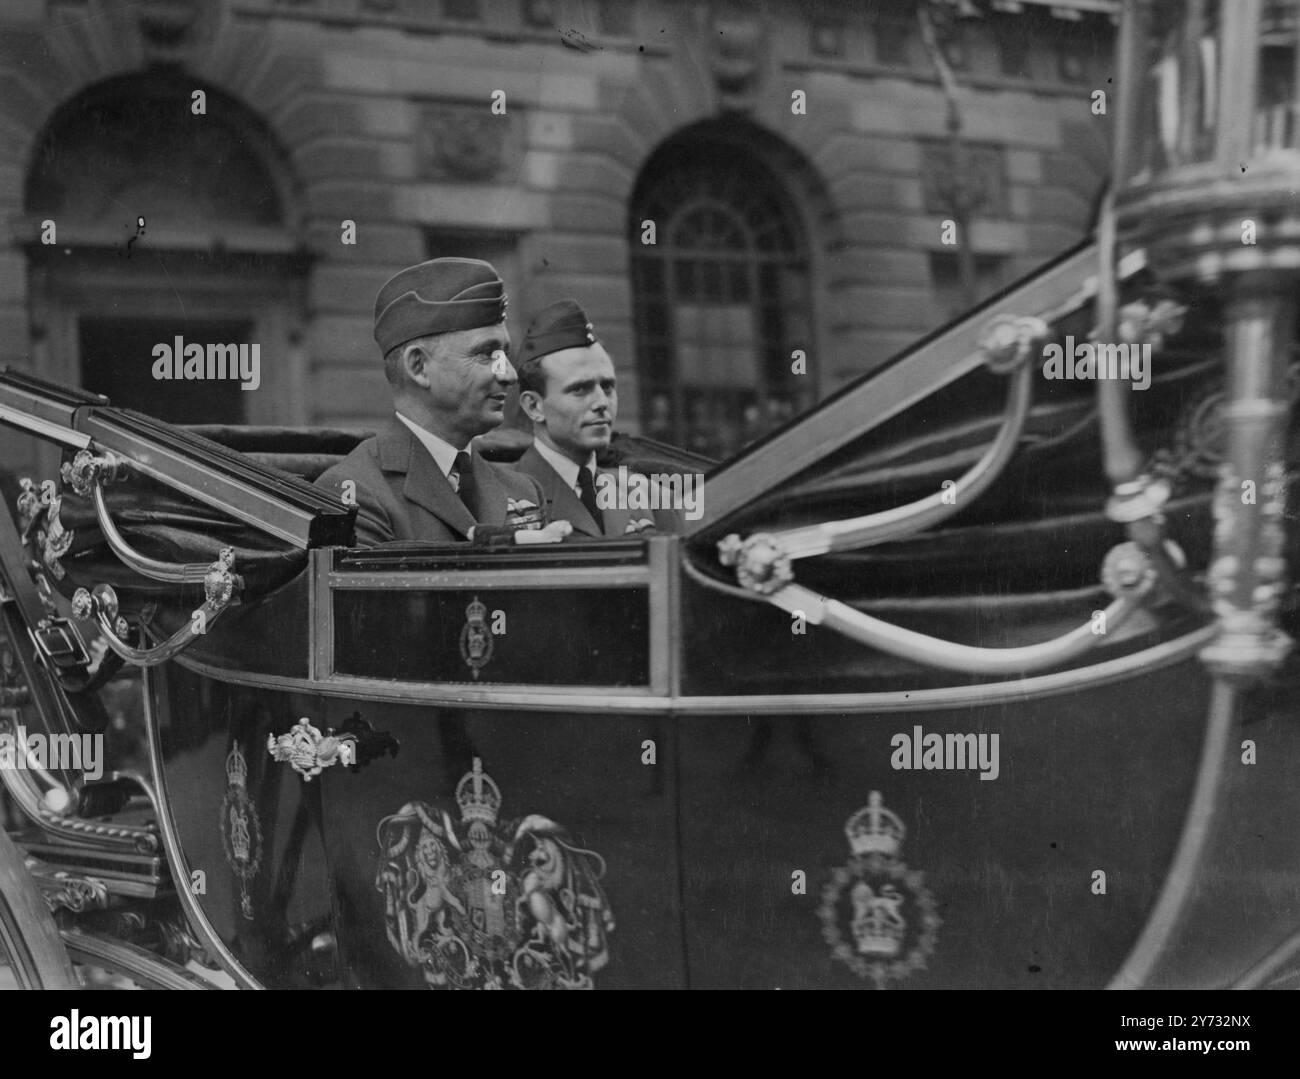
x,y
252,170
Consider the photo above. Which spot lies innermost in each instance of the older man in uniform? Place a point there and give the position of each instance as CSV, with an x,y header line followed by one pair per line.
x,y
441,328
568,391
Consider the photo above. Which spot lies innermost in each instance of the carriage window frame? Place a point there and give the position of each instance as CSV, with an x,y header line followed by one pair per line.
x,y
645,564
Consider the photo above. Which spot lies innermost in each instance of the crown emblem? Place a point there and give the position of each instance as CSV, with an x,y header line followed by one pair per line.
x,y
478,796
878,927
241,831
475,640
236,768
874,829
877,914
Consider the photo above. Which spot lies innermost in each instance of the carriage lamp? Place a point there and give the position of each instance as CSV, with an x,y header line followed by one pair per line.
x,y
1207,168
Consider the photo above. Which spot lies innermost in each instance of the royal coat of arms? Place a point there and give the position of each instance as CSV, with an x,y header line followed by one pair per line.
x,y
491,905
877,914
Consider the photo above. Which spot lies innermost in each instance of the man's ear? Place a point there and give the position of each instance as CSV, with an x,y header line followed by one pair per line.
x,y
415,361
531,402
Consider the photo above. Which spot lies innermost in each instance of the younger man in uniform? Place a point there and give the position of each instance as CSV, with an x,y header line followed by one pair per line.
x,y
568,391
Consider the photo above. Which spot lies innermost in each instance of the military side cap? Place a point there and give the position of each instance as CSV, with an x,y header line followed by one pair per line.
x,y
561,325
438,296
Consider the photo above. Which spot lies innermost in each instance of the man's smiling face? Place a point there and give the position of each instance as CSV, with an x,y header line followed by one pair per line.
x,y
468,375
576,415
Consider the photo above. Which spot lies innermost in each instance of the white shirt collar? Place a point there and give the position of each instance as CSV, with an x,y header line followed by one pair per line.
x,y
442,451
567,469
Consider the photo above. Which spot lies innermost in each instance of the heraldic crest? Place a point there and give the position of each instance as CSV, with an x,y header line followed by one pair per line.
x,y
877,914
475,637
241,831
485,904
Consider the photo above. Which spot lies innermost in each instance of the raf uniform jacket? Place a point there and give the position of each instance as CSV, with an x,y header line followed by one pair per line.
x,y
401,494
563,503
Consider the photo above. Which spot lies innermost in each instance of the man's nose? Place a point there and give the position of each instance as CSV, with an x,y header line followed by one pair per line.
x,y
503,370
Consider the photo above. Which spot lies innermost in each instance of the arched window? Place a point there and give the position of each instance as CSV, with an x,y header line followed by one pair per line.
x,y
722,297
217,262
136,146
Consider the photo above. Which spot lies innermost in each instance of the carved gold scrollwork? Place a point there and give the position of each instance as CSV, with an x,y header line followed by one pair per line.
x,y
73,892
86,470
1008,341
762,564
29,503
309,752
38,511
220,582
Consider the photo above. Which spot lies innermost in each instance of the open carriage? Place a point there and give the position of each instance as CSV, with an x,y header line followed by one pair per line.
x,y
966,678
775,751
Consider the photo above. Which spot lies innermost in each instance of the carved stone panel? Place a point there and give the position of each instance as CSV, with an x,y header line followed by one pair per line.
x,y
466,142
979,186
170,27
738,53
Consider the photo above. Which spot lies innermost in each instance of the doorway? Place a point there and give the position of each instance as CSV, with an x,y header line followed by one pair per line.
x,y
117,360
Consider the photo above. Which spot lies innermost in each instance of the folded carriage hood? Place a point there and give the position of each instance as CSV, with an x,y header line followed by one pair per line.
x,y
270,502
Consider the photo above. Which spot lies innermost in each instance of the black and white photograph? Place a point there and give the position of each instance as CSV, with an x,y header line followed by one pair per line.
x,y
650,494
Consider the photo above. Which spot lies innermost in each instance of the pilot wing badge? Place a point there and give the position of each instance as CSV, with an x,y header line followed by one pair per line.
x,y
877,914
487,904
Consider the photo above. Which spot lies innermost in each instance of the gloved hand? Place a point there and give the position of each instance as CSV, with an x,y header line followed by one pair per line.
x,y
504,535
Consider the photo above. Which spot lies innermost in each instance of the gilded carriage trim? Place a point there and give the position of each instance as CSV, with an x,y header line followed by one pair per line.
x,y
309,752
65,890
603,700
487,904
38,510
877,914
475,638
241,831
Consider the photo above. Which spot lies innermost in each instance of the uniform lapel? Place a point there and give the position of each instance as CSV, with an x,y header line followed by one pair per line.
x,y
616,517
426,486
561,501
492,496
665,519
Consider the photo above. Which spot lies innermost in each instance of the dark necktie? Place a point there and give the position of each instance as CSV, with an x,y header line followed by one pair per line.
x,y
587,492
465,473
